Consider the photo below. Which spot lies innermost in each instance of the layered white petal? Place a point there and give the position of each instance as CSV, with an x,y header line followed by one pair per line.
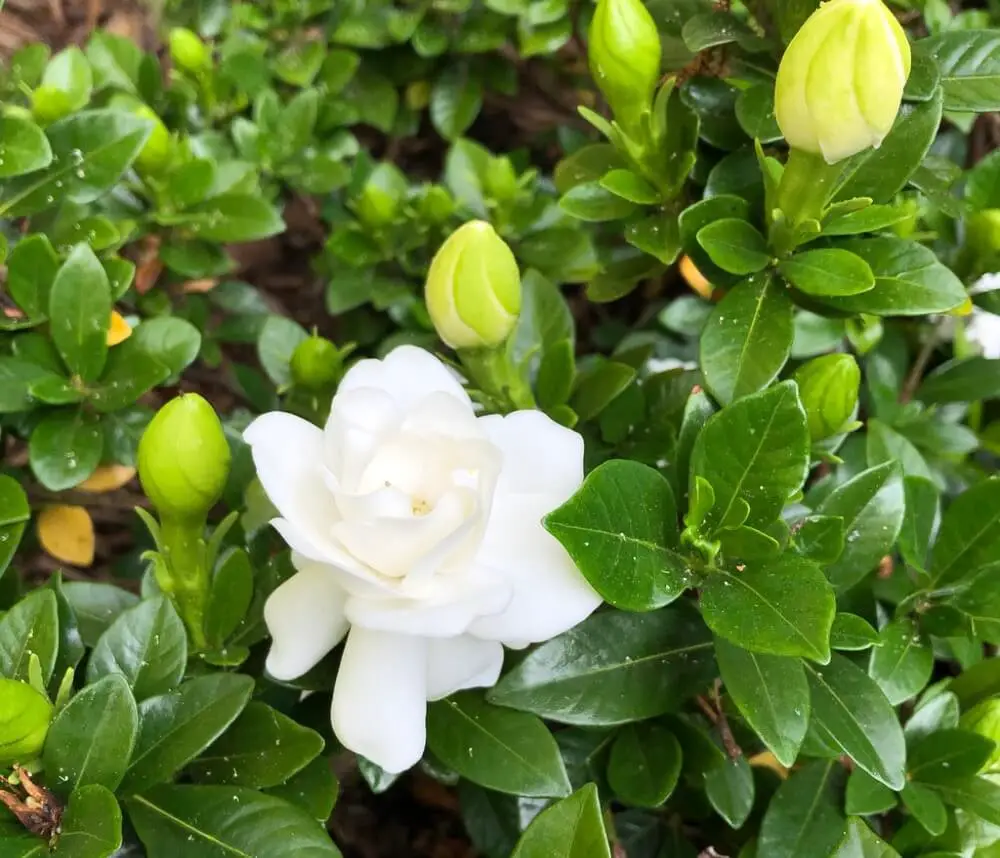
x,y
407,374
454,664
550,595
380,698
305,617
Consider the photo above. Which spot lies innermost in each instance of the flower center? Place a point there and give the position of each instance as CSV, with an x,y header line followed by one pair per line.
x,y
420,506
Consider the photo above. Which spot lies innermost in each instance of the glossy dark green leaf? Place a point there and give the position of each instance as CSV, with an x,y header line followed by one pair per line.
x,y
589,201
658,235
873,218
147,644
14,514
212,821
571,828
314,789
851,633
230,596
783,607
65,448
828,271
170,340
262,748
619,529
755,112
455,100
735,246
91,827
820,538
866,796
909,280
130,372
645,764
96,605
862,842
91,150
234,217
851,711
804,817
24,147
970,534
729,787
926,807
978,796
772,695
969,61
613,668
755,451
175,727
29,628
920,521
629,186
598,387
966,380
872,506
945,755
91,740
80,310
747,339
901,662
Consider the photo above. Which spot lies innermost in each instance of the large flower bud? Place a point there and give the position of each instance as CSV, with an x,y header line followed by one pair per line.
x,y
184,458
188,51
624,55
828,386
473,288
840,82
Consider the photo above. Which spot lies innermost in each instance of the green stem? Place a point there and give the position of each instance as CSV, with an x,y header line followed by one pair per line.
x,y
492,371
184,574
807,185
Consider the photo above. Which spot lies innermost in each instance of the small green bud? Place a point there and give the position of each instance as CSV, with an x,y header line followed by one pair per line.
x,y
624,54
382,195
982,230
828,386
25,715
316,363
840,82
473,288
155,154
184,458
984,719
188,51
49,104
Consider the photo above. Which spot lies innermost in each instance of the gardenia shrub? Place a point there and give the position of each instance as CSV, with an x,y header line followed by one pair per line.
x,y
637,485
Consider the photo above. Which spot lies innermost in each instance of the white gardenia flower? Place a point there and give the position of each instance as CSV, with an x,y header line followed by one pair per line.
x,y
415,527
983,328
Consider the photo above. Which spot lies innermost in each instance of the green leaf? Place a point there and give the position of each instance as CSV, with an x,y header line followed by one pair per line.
x,y
589,201
645,764
909,280
804,817
80,310
456,99
598,387
872,506
619,529
944,755
91,740
14,515
867,796
755,112
729,787
925,807
735,246
262,748
978,796
96,605
175,727
24,718
851,712
964,380
969,61
772,695
820,538
129,373
30,628
970,534
215,821
170,340
920,522
31,270
147,644
630,186
755,451
852,634
747,339
783,606
613,668
861,842
234,217
901,663
230,596
24,147
658,235
91,827
275,345
571,828
881,173
314,789
116,61
872,218
828,271
507,751
91,150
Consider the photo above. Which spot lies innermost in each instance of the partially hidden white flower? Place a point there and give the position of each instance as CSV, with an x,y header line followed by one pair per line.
x,y
983,328
415,527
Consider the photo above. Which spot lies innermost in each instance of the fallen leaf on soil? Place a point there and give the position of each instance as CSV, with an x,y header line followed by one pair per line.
x,y
107,478
67,534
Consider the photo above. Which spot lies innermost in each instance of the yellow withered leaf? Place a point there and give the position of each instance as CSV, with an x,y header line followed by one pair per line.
x,y
107,478
119,330
695,279
67,534
767,760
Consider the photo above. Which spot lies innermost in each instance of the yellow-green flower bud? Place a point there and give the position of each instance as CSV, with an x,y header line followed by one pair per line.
x,y
316,363
982,230
155,154
184,458
624,55
984,719
828,387
188,51
25,715
49,104
840,82
473,288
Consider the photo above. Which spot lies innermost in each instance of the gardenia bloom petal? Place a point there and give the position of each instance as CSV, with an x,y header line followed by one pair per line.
x,y
416,532
984,330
